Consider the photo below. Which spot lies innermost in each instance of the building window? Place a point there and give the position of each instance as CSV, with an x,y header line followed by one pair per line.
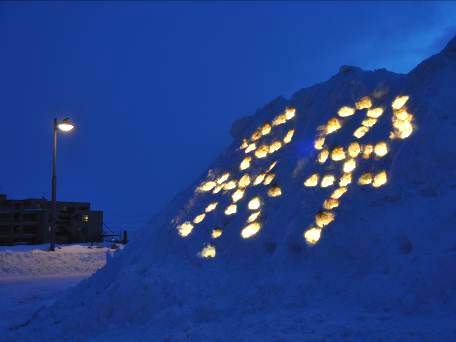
x,y
85,218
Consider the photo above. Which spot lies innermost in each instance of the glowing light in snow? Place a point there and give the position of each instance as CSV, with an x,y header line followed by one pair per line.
x,y
349,165
323,218
312,180
367,151
290,113
229,185
369,122
274,191
259,179
266,129
360,132
312,235
399,102
244,181
339,192
269,178
279,120
333,125
199,218
217,189
208,252
381,149
256,135
354,149
319,143
364,103
380,179
250,230
237,195
272,166
330,203
375,113
323,156
207,186
253,216
345,179
211,207
254,203
327,180
275,146
262,151
288,136
365,179
231,209
250,148
244,144
185,229
338,153
223,178
216,233
245,164
346,111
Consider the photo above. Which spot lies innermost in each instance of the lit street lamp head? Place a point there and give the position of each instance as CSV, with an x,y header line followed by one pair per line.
x,y
65,126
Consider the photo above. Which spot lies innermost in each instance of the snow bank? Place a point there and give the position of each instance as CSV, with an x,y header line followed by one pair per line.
x,y
383,269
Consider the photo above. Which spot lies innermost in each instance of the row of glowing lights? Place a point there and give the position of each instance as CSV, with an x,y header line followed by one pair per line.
x,y
222,183
261,151
402,128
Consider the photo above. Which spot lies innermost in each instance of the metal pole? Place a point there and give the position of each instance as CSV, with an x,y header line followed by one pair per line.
x,y
54,192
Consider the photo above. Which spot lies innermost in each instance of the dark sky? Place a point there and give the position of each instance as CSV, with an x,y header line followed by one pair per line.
x,y
154,87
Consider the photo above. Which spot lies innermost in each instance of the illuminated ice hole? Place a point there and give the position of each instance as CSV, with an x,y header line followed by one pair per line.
x,y
254,203
275,146
262,151
223,178
207,252
365,179
207,186
211,207
332,125
338,153
339,192
266,129
330,203
345,179
244,181
364,103
244,144
354,149
323,156
312,235
269,178
229,185
290,113
312,180
323,218
237,195
327,180
185,229
360,132
349,165
374,113
369,122
380,179
381,149
253,216
231,209
367,151
399,102
319,143
259,179
346,111
199,218
273,165
288,136
250,230
274,191
245,164
279,120
250,148
256,135
216,233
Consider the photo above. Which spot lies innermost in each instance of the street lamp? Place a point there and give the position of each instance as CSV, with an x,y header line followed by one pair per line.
x,y
63,126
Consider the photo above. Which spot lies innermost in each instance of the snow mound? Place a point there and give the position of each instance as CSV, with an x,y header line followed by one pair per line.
x,y
329,217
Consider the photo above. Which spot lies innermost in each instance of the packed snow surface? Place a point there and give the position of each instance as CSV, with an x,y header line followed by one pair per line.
x,y
282,255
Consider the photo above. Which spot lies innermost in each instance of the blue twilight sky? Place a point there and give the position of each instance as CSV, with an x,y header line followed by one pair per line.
x,y
155,86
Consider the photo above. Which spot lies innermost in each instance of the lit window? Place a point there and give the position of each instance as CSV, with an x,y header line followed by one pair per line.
x,y
85,218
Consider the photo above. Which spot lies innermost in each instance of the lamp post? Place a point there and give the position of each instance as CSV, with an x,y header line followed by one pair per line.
x,y
63,126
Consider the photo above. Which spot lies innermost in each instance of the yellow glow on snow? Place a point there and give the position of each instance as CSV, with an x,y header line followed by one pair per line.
x,y
312,180
229,185
262,151
199,218
254,203
380,179
279,120
211,207
399,102
256,135
403,114
346,111
369,122
266,129
185,229
365,179
332,125
244,181
375,113
250,148
364,103
207,252
312,235
360,132
250,230
253,216
244,144
381,149
231,209
223,178
274,191
319,143
349,165
216,233
259,179
275,146
237,195
323,218
367,151
290,113
354,149
327,180
245,164
338,153
207,186
330,203
323,156
269,178
339,192
217,189
288,136
345,179
272,166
